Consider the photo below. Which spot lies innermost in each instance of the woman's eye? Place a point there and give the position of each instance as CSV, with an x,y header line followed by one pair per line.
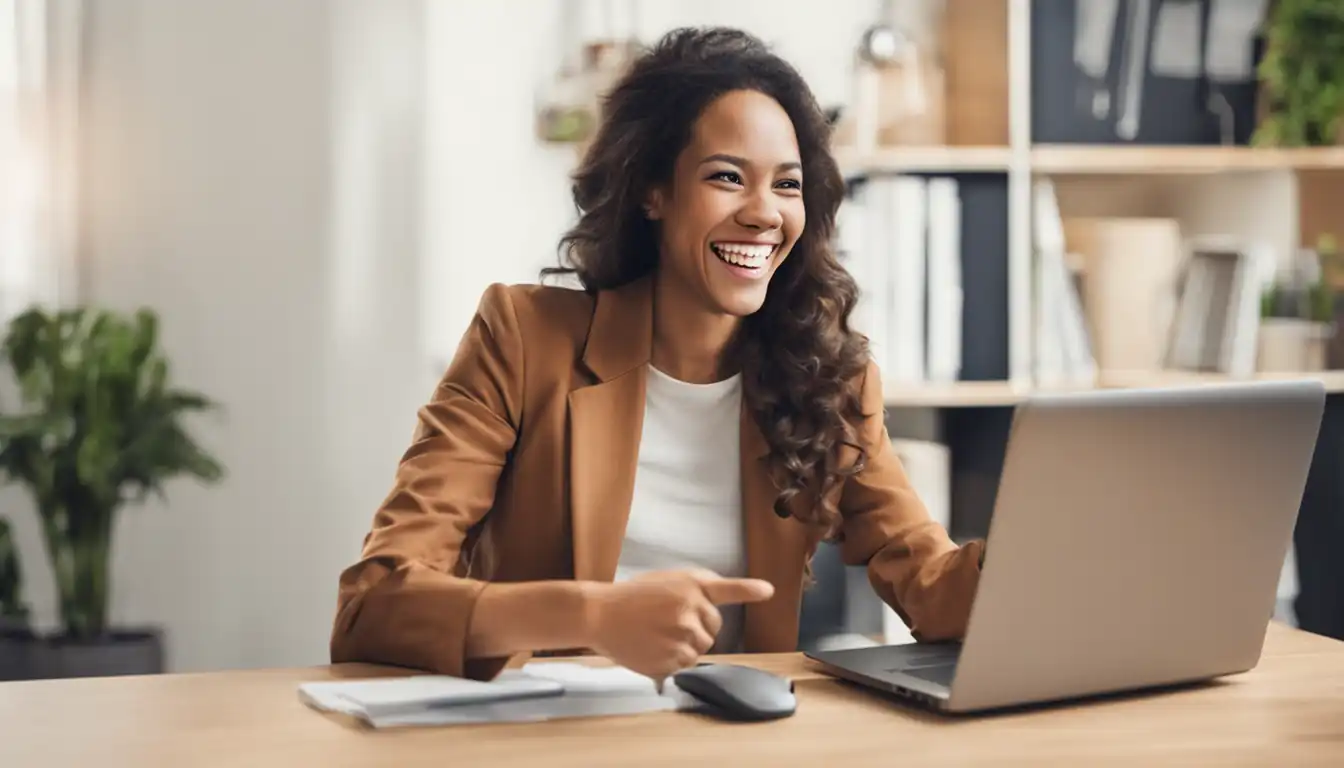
x,y
791,184
729,176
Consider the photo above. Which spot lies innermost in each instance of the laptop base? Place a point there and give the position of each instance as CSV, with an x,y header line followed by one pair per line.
x,y
916,672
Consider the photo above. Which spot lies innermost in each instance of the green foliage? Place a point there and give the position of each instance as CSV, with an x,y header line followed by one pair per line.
x,y
100,426
1303,74
1315,302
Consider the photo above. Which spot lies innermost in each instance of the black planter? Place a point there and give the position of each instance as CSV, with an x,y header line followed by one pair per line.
x,y
1334,353
14,641
119,652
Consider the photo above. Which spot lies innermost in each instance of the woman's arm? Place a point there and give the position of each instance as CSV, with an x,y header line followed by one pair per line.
x,y
913,564
654,624
401,602
531,616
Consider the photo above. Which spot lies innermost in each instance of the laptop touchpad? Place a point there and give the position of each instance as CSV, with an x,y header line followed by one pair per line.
x,y
941,674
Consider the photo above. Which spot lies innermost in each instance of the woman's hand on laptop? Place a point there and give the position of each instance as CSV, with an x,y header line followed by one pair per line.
x,y
660,623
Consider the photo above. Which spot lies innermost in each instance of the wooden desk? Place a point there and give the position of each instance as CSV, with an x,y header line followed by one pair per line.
x,y
1289,711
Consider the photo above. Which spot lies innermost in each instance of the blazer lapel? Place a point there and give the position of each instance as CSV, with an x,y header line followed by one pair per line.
x,y
606,421
776,551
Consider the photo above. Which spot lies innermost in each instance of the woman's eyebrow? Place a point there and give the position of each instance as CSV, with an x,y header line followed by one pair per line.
x,y
792,165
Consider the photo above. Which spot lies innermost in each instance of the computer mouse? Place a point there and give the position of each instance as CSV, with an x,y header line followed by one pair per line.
x,y
734,692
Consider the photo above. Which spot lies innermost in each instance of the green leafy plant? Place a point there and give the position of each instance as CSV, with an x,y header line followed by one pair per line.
x,y
1315,302
100,427
1302,74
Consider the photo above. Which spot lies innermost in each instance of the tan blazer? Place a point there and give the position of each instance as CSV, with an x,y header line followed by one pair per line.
x,y
522,467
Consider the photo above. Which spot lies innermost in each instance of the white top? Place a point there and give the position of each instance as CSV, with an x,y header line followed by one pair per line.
x,y
687,505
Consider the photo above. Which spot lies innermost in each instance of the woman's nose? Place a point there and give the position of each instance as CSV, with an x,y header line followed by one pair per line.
x,y
760,212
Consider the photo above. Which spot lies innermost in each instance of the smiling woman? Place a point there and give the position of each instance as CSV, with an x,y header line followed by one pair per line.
x,y
644,468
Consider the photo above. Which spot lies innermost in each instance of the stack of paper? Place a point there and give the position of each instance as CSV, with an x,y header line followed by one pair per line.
x,y
539,691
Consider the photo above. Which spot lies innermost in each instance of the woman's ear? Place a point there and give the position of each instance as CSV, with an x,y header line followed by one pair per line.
x,y
653,205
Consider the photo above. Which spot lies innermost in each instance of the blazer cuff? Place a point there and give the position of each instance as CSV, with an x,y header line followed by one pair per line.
x,y
416,617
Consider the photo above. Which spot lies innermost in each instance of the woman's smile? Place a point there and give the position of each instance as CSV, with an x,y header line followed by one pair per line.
x,y
745,259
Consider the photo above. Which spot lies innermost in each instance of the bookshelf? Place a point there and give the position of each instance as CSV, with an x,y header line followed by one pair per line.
x,y
1011,96
1286,197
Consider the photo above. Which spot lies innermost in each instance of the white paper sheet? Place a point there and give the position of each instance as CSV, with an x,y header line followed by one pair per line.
x,y
383,697
588,692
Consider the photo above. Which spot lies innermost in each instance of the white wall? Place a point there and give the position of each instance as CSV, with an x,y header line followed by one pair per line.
x,y
313,194
500,199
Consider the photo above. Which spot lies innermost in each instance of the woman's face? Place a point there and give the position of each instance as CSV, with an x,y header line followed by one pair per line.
x,y
734,208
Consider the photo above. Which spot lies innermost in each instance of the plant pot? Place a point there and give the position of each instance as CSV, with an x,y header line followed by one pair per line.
x,y
1288,345
15,638
120,652
1334,356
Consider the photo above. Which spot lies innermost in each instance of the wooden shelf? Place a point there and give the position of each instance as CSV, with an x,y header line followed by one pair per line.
x,y
1173,160
1084,159
989,394
962,394
887,160
1333,380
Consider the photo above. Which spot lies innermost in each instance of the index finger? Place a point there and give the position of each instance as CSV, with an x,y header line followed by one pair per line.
x,y
730,591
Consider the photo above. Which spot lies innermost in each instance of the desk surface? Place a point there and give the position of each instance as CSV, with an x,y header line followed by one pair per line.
x,y
1288,711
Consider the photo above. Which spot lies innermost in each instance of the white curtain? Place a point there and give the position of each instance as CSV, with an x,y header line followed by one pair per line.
x,y
40,62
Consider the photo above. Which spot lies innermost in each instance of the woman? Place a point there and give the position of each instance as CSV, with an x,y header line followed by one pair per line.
x,y
643,468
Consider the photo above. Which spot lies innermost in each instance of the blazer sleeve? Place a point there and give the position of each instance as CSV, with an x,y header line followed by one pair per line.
x,y
912,563
404,602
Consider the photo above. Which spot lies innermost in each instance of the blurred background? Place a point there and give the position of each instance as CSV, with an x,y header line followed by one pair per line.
x,y
309,196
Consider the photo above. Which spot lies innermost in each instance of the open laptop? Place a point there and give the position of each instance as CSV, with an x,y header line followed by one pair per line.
x,y
1137,541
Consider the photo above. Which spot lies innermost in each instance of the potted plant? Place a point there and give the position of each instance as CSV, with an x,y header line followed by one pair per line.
x,y
1302,75
99,427
1332,273
1297,315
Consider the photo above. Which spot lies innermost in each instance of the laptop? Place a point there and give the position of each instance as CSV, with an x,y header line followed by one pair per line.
x,y
1136,542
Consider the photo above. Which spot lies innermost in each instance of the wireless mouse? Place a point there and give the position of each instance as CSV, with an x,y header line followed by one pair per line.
x,y
734,692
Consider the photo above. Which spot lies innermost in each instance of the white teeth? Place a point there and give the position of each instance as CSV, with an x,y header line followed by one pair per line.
x,y
743,254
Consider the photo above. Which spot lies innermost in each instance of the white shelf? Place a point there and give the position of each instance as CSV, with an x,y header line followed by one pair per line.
x,y
1179,160
1083,159
913,159
981,394
963,394
1333,380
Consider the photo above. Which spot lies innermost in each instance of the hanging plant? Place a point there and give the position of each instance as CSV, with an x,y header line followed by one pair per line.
x,y
1302,75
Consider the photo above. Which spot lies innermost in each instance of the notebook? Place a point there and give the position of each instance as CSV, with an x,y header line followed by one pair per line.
x,y
386,697
539,691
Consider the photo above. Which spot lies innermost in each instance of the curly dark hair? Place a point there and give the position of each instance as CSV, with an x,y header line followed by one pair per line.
x,y
798,355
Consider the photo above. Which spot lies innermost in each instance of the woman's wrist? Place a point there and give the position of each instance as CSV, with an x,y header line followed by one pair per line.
x,y
588,596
